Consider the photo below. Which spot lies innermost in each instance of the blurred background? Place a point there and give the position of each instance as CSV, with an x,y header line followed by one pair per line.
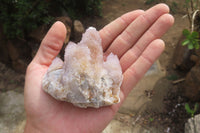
x,y
166,100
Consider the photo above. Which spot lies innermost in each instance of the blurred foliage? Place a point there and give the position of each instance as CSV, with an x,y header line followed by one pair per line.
x,y
192,39
148,2
172,77
172,4
151,119
78,8
173,7
191,7
193,4
190,111
20,17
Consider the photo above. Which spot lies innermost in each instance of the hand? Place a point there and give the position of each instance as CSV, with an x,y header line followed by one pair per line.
x,y
134,37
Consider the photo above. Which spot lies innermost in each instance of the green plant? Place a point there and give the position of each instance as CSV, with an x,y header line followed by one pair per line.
x,y
191,112
19,17
149,1
172,77
78,8
173,7
153,1
151,119
192,39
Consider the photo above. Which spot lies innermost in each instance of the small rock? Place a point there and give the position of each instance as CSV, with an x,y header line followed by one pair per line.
x,y
193,125
68,34
68,24
194,58
191,86
66,20
78,30
181,57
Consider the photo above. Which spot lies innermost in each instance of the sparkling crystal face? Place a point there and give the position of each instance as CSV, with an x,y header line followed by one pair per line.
x,y
84,78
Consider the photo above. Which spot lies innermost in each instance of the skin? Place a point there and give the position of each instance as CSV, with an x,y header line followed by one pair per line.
x,y
134,37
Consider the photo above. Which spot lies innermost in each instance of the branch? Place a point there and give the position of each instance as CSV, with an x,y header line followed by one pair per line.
x,y
189,17
178,81
193,18
192,6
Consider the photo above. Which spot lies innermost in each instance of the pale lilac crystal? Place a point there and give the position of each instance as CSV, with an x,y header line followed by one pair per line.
x,y
84,78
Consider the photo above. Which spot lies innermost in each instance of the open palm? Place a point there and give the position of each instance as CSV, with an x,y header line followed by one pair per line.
x,y
134,37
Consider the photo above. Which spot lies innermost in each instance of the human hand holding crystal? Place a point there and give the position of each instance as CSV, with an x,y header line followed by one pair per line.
x,y
133,37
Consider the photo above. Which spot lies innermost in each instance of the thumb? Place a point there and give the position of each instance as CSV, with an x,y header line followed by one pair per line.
x,y
51,44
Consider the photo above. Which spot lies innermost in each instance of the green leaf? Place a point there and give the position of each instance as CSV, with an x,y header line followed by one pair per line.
x,y
196,46
185,42
190,111
187,108
186,32
195,34
151,119
190,46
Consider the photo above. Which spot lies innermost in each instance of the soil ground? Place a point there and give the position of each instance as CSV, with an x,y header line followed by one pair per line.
x,y
171,117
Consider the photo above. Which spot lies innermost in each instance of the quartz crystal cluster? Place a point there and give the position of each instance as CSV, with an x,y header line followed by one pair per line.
x,y
84,78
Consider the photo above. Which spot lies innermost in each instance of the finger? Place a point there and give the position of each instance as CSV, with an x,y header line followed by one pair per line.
x,y
51,44
135,72
136,29
112,30
154,32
